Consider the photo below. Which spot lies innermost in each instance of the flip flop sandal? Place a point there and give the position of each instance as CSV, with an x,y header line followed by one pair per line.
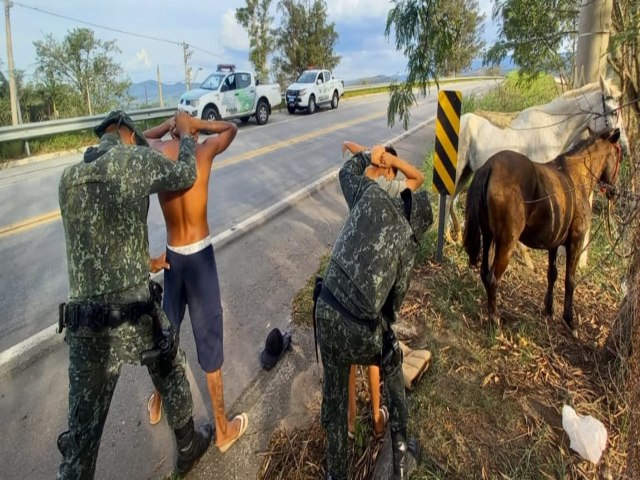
x,y
149,410
384,413
244,423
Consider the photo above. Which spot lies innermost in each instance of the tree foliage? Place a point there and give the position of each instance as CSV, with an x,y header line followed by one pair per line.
x,y
85,63
255,19
466,22
304,38
437,37
540,35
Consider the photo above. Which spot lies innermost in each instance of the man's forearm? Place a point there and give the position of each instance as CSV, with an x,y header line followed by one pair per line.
x,y
214,126
158,132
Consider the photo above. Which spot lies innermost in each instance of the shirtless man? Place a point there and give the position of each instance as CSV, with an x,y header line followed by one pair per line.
x,y
191,277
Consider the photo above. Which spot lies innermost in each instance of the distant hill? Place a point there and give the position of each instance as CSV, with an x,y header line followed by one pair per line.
x,y
147,92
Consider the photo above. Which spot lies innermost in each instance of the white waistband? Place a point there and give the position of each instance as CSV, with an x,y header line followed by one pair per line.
x,y
192,248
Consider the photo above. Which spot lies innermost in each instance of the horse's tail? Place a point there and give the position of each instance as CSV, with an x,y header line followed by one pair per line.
x,y
476,203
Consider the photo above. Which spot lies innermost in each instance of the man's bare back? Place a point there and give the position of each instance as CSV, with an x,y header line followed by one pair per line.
x,y
185,212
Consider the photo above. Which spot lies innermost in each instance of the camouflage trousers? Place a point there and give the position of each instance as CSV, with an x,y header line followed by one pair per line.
x,y
343,343
95,362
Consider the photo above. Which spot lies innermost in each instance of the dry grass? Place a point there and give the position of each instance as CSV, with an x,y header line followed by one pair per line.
x,y
490,406
301,454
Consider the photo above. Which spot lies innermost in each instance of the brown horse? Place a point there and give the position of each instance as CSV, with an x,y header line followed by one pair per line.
x,y
544,206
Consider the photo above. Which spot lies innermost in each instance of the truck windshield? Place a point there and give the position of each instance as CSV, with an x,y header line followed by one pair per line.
x,y
307,77
212,82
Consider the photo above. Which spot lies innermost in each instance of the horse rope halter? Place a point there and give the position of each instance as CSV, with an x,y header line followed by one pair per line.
x,y
604,187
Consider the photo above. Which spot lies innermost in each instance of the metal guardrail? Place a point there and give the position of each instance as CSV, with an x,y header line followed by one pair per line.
x,y
28,131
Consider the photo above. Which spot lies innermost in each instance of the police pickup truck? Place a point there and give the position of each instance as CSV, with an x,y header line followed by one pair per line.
x,y
314,88
230,93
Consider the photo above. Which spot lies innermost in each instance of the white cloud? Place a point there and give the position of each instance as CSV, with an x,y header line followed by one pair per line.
x,y
142,58
354,11
233,36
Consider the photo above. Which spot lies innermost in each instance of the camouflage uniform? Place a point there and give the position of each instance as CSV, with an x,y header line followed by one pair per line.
x,y
104,202
368,274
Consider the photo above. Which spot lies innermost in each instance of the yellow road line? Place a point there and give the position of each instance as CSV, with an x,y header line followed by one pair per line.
x,y
29,223
36,221
293,141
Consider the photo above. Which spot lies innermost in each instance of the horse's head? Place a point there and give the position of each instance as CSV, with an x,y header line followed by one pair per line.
x,y
608,145
608,112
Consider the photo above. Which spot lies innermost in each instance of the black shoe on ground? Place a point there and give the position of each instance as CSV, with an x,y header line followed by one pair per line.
x,y
192,444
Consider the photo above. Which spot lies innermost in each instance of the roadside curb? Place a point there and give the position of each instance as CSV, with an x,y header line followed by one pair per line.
x,y
40,158
16,358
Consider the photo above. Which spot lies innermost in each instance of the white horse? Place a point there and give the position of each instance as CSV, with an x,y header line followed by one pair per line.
x,y
540,133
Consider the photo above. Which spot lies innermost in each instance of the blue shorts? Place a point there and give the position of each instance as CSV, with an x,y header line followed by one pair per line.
x,y
193,280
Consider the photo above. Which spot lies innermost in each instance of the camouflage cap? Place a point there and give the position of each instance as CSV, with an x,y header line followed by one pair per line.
x,y
120,118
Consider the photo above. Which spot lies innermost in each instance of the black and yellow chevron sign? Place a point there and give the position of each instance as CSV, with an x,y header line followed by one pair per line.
x,y
445,158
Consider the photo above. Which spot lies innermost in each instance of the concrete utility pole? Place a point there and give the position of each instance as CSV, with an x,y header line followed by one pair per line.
x,y
13,91
187,54
160,88
593,40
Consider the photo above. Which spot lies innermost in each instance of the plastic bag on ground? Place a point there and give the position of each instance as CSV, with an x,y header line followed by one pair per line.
x,y
588,435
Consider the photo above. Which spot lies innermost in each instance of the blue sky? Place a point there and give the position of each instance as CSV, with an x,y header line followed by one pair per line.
x,y
208,24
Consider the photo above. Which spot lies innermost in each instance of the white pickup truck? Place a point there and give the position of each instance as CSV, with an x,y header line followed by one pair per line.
x,y
314,88
229,94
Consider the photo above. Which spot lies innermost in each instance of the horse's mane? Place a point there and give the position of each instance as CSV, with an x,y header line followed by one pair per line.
x,y
558,105
586,143
499,119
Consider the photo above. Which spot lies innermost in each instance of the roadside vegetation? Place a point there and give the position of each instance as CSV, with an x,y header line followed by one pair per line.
x,y
489,407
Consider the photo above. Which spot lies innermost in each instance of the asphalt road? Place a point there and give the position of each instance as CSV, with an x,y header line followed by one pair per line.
x,y
262,166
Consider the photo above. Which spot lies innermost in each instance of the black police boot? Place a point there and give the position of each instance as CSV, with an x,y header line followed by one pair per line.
x,y
406,455
192,444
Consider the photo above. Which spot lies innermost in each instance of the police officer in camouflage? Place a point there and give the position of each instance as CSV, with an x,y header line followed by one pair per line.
x,y
363,288
114,314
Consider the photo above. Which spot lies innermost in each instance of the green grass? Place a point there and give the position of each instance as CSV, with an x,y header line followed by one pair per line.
x,y
514,94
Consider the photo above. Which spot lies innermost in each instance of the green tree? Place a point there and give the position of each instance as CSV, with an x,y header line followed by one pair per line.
x,y
304,38
255,19
86,63
540,35
466,23
426,40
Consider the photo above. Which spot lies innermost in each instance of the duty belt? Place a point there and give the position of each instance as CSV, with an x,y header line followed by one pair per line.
x,y
97,316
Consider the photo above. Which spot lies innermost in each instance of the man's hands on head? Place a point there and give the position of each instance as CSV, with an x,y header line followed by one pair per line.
x,y
183,124
377,156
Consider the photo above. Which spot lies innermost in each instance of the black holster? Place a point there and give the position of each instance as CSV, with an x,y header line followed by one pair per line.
x,y
160,358
391,351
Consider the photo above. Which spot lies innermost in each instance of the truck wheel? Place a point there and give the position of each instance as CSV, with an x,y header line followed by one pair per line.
x,y
262,112
334,100
292,110
245,119
312,105
210,113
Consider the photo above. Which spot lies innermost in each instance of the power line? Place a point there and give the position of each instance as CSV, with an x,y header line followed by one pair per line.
x,y
124,32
